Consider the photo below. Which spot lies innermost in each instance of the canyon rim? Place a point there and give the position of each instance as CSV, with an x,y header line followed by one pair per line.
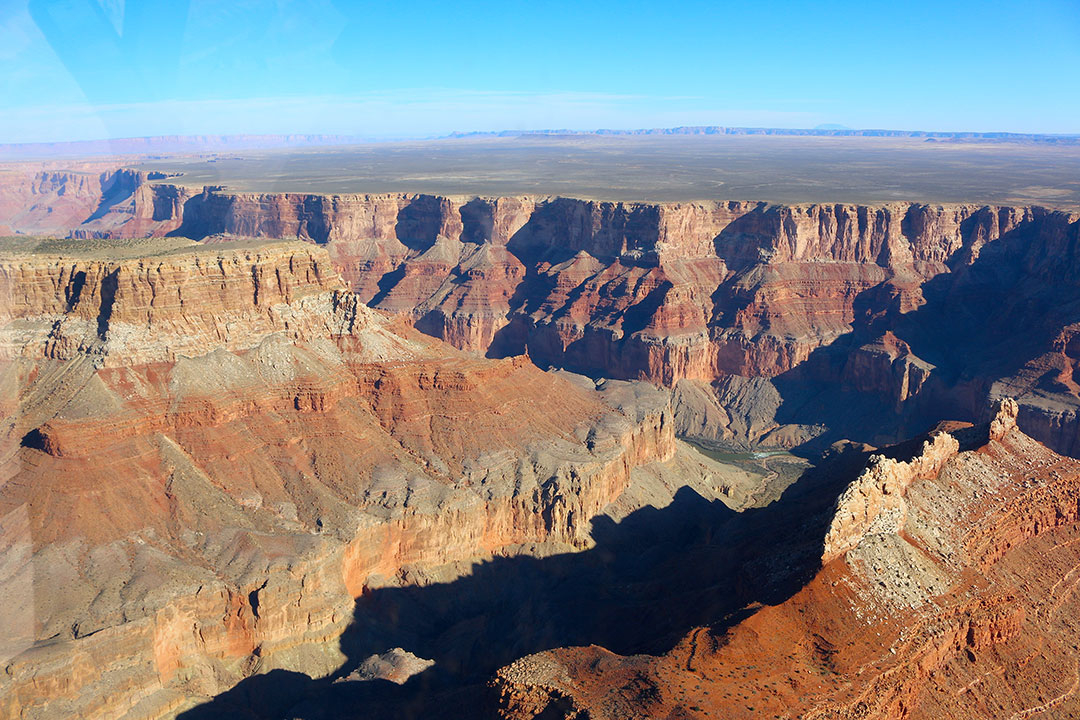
x,y
580,361
281,454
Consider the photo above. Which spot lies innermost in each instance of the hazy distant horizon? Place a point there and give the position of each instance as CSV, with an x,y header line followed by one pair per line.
x,y
199,143
75,70
656,168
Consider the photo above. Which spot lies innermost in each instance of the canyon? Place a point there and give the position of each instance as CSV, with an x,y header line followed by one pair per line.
x,y
209,452
946,588
907,312
264,451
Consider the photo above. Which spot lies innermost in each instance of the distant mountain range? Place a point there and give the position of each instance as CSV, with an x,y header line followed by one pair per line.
x,y
185,144
820,131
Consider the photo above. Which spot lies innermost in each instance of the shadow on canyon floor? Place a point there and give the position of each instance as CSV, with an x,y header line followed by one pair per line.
x,y
648,580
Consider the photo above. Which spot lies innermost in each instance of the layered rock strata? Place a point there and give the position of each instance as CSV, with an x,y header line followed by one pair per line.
x,y
209,451
947,590
910,310
86,199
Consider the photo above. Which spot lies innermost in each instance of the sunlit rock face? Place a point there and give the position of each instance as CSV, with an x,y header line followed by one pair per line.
x,y
913,311
210,451
946,563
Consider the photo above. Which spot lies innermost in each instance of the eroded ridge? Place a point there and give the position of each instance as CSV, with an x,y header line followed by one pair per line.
x,y
208,452
945,591
909,311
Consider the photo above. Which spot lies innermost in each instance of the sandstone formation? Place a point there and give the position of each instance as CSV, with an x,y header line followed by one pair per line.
x,y
217,456
874,503
947,589
85,198
917,310
209,451
396,665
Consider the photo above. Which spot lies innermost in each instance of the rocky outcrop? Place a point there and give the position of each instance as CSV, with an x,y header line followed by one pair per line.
x,y
158,309
942,574
209,451
396,665
875,503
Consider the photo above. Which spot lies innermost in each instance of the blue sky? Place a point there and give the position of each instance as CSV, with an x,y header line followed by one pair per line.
x,y
83,69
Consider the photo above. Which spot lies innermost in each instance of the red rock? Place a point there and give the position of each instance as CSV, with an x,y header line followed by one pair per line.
x,y
948,590
673,291
217,448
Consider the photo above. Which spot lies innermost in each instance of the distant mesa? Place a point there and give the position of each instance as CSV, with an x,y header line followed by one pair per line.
x,y
826,129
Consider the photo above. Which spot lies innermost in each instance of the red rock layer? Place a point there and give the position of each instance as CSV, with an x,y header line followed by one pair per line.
x,y
923,309
234,449
761,285
948,590
90,200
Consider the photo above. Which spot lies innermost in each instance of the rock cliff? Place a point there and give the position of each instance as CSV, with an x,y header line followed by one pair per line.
x,y
209,451
906,308
947,590
86,199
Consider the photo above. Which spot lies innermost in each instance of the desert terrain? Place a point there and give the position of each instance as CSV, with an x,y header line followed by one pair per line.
x,y
554,426
650,168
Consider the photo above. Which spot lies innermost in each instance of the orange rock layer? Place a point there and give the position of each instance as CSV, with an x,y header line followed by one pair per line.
x,y
948,590
924,309
208,453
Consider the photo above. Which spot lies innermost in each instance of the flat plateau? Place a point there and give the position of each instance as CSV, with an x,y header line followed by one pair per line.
x,y
788,170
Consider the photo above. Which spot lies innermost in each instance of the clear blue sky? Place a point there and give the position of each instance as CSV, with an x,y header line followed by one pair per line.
x,y
81,69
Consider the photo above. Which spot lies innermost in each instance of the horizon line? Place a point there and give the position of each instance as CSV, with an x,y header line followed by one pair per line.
x,y
220,141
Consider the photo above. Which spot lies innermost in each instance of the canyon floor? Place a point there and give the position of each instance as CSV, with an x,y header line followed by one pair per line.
x,y
484,428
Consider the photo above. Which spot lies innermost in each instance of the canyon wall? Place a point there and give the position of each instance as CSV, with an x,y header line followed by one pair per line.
x,y
946,589
90,199
908,311
209,451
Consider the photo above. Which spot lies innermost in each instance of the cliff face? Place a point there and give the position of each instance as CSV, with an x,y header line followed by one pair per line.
x,y
874,503
913,307
92,200
913,311
155,309
944,592
761,286
209,452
